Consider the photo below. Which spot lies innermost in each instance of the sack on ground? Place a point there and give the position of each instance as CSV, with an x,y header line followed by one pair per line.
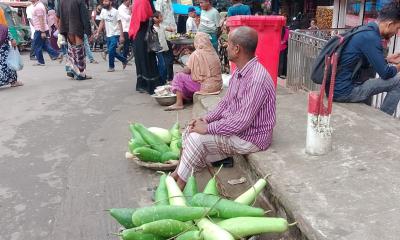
x,y
14,60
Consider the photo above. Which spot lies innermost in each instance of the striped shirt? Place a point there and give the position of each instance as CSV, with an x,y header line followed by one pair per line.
x,y
248,108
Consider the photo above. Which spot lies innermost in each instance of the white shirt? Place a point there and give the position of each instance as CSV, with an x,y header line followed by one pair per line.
x,y
161,37
29,13
209,21
191,25
111,18
125,16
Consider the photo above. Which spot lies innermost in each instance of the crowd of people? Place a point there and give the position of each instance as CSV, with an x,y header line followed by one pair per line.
x,y
66,31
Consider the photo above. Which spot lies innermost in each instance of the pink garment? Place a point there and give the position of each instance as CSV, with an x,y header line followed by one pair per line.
x,y
39,11
284,40
183,83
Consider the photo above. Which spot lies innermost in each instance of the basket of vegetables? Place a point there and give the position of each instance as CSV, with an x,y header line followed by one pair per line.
x,y
155,148
193,215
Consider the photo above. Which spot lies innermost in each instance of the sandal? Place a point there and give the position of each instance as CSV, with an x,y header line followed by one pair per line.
x,y
174,108
17,84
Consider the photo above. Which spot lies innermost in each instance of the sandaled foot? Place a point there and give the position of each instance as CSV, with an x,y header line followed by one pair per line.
x,y
174,108
17,84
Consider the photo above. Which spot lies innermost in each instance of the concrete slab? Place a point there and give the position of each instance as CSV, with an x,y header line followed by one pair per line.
x,y
351,193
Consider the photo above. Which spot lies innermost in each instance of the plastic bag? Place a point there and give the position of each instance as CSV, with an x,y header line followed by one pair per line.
x,y
14,60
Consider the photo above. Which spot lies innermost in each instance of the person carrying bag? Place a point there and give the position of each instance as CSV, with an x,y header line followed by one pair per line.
x,y
14,60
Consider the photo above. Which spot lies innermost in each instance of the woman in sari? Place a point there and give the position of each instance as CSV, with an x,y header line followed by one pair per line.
x,y
7,75
202,73
148,77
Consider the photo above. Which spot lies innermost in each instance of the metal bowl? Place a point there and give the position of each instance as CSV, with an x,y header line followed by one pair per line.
x,y
165,100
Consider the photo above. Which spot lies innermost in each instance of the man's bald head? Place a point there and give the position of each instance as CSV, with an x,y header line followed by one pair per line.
x,y
246,37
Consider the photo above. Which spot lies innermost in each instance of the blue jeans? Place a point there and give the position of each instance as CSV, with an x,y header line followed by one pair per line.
x,y
163,62
112,43
89,53
371,87
40,44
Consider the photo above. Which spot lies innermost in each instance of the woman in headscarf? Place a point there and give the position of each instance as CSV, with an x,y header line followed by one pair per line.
x,y
7,75
202,73
148,77
52,20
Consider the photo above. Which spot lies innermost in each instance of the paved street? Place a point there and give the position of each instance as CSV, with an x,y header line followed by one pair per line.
x,y
62,146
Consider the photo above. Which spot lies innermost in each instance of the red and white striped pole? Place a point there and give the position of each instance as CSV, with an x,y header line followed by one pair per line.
x,y
319,131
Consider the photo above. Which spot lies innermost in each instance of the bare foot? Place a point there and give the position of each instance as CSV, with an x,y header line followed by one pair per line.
x,y
181,183
174,108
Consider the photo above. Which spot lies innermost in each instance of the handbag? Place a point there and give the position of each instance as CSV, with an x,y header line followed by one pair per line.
x,y
14,60
151,37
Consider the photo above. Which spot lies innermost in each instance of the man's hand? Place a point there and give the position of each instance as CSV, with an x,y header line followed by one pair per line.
x,y
394,58
193,121
121,39
200,127
43,35
13,43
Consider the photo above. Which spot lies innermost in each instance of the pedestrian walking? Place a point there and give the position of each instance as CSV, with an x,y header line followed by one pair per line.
x,y
125,13
99,40
29,12
89,53
7,75
148,77
74,24
111,21
52,21
40,39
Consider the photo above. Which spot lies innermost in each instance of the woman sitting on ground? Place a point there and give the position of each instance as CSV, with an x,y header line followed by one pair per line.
x,y
202,73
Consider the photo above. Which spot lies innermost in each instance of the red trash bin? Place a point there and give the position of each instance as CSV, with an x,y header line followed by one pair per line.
x,y
269,30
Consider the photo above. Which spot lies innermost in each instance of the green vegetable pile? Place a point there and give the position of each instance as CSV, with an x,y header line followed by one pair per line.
x,y
155,144
190,215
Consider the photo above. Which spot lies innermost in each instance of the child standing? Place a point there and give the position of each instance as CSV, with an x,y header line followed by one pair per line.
x,y
164,59
191,26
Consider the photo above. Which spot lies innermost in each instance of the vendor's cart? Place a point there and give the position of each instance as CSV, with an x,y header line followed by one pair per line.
x,y
182,48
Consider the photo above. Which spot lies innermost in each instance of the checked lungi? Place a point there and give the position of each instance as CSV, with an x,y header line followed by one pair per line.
x,y
199,150
76,62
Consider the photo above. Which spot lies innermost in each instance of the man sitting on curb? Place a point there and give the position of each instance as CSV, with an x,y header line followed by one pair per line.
x,y
243,120
367,45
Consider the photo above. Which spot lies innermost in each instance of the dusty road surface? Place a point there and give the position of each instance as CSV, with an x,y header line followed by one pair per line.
x,y
62,146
